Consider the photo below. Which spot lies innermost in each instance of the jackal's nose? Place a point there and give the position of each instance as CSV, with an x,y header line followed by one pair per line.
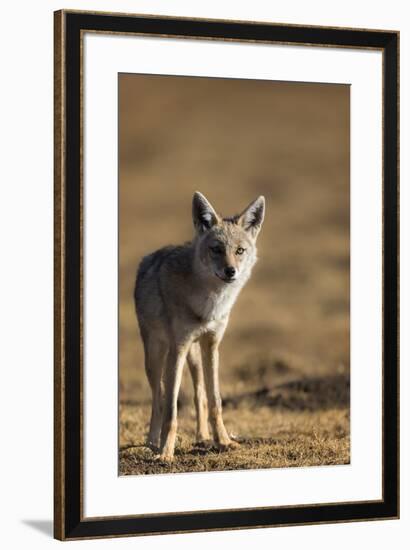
x,y
230,272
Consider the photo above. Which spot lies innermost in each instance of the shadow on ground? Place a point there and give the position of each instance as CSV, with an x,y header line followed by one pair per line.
x,y
44,526
310,394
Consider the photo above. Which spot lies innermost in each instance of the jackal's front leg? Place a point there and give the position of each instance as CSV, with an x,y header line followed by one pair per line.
x,y
172,381
209,344
201,403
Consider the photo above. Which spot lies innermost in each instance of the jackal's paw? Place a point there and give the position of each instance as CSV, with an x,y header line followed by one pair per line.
x,y
153,446
164,457
224,446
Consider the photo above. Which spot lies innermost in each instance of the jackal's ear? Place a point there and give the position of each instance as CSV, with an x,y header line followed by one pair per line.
x,y
203,215
252,217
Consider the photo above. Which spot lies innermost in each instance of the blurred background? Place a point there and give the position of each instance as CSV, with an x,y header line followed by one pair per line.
x,y
286,348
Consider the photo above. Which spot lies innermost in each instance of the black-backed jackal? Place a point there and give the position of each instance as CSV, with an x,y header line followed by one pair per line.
x,y
183,298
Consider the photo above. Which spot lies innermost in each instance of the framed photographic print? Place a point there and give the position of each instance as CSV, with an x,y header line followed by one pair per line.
x,y
226,275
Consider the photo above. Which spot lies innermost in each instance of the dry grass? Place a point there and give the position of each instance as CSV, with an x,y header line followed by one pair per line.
x,y
285,356
296,439
295,424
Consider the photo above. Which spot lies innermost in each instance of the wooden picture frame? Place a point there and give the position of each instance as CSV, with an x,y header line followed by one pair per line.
x,y
69,519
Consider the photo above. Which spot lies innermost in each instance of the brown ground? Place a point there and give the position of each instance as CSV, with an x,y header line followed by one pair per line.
x,y
285,356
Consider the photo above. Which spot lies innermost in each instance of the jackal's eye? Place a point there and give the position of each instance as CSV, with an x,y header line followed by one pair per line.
x,y
216,249
240,250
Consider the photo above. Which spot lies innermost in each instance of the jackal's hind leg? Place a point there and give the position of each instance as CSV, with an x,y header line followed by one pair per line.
x,y
155,357
201,403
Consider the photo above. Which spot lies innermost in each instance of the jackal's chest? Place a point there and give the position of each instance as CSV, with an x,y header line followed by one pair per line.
x,y
215,307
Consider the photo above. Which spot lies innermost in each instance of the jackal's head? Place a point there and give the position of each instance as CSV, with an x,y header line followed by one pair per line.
x,y
226,247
